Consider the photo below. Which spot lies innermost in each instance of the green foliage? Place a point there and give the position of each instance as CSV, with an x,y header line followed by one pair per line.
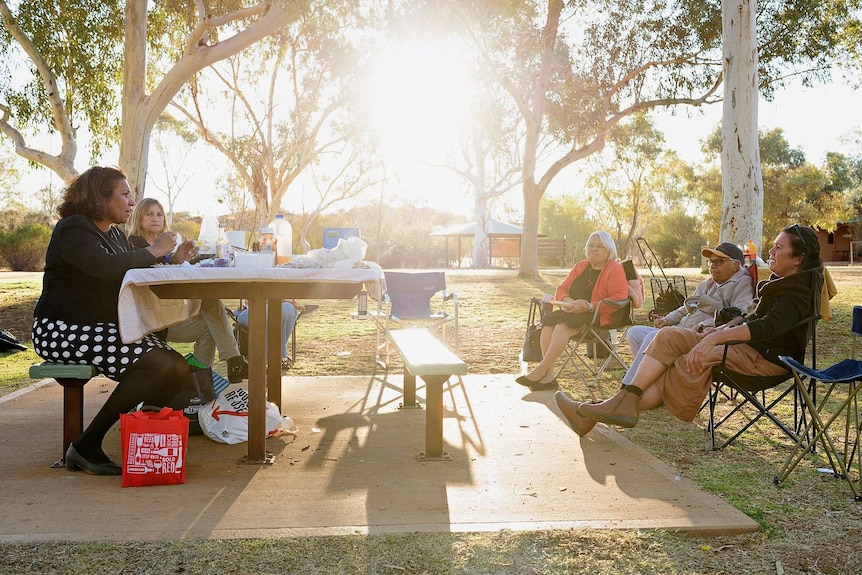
x,y
621,187
82,45
23,248
676,239
566,217
793,189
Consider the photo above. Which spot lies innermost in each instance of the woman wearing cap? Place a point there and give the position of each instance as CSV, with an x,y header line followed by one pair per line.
x,y
591,280
676,369
729,285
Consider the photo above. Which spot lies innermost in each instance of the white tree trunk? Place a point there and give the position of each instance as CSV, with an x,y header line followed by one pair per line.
x,y
481,247
742,179
140,110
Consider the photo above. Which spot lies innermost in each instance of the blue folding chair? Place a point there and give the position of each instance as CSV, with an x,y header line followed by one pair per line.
x,y
842,451
417,299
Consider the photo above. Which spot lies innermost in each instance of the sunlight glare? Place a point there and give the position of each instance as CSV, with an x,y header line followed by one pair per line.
x,y
419,94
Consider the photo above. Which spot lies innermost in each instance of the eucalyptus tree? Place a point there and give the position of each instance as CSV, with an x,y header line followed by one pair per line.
x,y
60,72
576,68
288,110
794,190
620,187
488,160
81,61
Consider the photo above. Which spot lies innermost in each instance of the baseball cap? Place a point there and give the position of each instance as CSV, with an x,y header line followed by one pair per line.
x,y
726,250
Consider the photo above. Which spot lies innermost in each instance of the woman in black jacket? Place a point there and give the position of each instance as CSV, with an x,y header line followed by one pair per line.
x,y
75,319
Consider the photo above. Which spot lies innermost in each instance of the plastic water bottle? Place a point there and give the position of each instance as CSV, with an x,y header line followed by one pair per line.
x,y
267,242
752,251
222,249
283,232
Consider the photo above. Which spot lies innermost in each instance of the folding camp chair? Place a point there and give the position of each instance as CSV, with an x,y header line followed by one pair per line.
x,y
841,450
602,341
749,392
408,302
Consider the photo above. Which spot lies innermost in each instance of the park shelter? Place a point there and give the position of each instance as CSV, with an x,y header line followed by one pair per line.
x,y
504,242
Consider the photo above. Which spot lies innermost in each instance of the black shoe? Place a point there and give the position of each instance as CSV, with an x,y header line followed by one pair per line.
x,y
526,381
539,386
76,462
237,369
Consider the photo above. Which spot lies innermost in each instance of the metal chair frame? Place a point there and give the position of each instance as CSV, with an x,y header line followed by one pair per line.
x,y
442,305
593,334
729,384
849,372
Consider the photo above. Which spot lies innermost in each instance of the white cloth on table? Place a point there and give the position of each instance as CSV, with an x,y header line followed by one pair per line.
x,y
140,311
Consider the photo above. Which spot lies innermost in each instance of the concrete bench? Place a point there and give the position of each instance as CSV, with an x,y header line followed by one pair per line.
x,y
73,378
426,357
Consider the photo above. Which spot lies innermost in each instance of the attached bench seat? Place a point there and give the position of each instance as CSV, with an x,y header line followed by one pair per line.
x,y
73,378
423,355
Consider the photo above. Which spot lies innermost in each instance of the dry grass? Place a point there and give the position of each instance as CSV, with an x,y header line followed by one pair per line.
x,y
809,523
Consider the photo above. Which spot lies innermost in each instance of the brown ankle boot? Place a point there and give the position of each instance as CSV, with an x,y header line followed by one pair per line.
x,y
569,408
621,409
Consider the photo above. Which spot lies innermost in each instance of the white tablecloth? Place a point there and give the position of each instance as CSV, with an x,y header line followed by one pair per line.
x,y
141,311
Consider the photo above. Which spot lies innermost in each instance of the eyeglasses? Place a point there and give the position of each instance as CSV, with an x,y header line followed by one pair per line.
x,y
798,231
595,247
717,262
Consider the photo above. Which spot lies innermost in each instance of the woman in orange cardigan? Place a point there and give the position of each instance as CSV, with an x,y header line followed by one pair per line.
x,y
596,278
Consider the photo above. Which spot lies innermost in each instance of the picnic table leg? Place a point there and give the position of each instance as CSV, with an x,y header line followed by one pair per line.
x,y
409,392
256,382
434,419
273,352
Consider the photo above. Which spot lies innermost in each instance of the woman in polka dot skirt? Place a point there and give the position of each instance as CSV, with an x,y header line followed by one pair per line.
x,y
75,319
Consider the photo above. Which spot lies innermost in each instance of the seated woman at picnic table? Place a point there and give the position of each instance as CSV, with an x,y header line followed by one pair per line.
x,y
212,328
289,313
676,370
591,280
75,319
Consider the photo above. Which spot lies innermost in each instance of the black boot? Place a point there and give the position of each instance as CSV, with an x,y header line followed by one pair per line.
x,y
237,369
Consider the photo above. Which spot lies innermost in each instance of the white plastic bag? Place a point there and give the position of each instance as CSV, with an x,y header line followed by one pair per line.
x,y
346,254
209,234
226,418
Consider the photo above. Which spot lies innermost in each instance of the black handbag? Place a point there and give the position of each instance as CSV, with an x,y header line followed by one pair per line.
x,y
532,350
197,390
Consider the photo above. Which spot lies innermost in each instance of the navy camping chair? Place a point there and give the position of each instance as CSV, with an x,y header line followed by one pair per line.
x,y
418,299
840,402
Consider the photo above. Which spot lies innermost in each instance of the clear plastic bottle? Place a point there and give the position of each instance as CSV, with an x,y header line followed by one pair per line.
x,y
752,251
283,232
267,242
222,248
746,255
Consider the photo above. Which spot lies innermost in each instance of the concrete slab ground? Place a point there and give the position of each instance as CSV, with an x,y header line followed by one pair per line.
x,y
352,468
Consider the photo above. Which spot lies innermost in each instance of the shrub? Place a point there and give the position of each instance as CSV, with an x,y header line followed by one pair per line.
x,y
23,248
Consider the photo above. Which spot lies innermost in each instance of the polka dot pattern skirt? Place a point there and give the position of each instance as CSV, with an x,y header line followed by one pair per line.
x,y
94,344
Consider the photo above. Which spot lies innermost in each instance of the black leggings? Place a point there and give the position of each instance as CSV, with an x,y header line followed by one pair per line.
x,y
154,380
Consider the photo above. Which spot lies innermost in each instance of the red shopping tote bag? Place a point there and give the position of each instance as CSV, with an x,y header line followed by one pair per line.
x,y
154,447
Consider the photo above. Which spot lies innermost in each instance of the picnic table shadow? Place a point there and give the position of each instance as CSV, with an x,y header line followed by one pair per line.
x,y
375,445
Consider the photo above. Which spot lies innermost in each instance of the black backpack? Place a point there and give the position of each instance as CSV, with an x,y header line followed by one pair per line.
x,y
9,342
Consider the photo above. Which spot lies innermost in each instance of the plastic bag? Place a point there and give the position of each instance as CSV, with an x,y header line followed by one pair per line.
x,y
348,253
209,234
226,418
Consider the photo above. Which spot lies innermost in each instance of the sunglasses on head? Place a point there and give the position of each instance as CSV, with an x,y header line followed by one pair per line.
x,y
798,231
